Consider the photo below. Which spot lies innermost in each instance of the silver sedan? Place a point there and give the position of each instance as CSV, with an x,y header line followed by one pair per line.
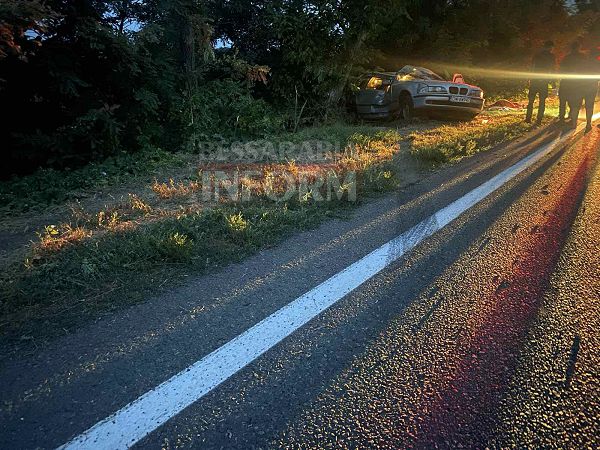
x,y
416,90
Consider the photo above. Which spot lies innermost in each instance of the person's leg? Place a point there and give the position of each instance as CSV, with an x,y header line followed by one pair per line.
x,y
542,107
531,98
562,106
575,105
590,98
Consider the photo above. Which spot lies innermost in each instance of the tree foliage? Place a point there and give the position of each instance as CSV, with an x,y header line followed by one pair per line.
x,y
86,79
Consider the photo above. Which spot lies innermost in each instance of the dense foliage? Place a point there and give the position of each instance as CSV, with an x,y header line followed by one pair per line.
x,y
84,79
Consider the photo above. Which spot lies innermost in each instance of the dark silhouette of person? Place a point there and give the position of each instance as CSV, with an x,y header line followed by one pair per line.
x,y
583,89
590,87
543,63
563,98
568,66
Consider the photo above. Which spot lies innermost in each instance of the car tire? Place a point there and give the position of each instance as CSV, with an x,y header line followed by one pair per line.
x,y
407,107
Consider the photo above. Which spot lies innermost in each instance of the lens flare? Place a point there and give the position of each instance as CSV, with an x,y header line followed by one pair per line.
x,y
515,74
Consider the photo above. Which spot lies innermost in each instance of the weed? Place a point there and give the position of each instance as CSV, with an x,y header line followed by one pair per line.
x,y
54,238
237,223
176,247
173,189
137,204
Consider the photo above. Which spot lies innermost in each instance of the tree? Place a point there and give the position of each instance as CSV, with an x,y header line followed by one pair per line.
x,y
21,23
84,79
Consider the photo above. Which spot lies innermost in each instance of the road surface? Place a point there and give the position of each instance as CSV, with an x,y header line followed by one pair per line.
x,y
463,311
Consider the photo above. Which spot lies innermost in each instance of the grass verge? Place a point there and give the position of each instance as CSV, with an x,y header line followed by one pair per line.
x,y
48,187
100,261
452,142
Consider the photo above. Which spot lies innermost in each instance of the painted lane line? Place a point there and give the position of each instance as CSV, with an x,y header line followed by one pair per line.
x,y
142,416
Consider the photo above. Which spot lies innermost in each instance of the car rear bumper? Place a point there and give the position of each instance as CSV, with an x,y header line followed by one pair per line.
x,y
442,103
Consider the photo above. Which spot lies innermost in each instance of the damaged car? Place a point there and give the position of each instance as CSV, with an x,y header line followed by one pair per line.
x,y
415,91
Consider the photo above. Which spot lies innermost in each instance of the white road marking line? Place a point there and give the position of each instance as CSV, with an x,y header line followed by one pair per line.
x,y
136,420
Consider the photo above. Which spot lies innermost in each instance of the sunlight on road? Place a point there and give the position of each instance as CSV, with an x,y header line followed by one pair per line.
x,y
442,369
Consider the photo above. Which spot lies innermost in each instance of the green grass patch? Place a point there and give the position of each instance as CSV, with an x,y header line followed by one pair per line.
x,y
74,274
57,290
49,187
334,133
455,141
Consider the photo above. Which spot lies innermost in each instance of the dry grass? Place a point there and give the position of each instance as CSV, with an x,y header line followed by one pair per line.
x,y
172,189
178,198
55,238
365,153
137,204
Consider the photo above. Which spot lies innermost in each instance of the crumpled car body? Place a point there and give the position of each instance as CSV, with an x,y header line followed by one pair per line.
x,y
415,91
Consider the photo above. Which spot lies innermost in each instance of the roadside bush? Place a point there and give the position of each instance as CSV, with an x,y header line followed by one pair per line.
x,y
227,109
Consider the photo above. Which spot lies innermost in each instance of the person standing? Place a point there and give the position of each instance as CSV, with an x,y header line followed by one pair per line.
x,y
590,88
584,88
543,63
565,92
574,64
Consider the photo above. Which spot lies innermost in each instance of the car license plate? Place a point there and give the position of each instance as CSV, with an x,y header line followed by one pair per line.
x,y
460,99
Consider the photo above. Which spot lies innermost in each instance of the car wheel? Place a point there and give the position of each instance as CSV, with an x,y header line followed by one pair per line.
x,y
406,107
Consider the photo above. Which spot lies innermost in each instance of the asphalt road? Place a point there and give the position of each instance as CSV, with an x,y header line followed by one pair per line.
x,y
487,333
